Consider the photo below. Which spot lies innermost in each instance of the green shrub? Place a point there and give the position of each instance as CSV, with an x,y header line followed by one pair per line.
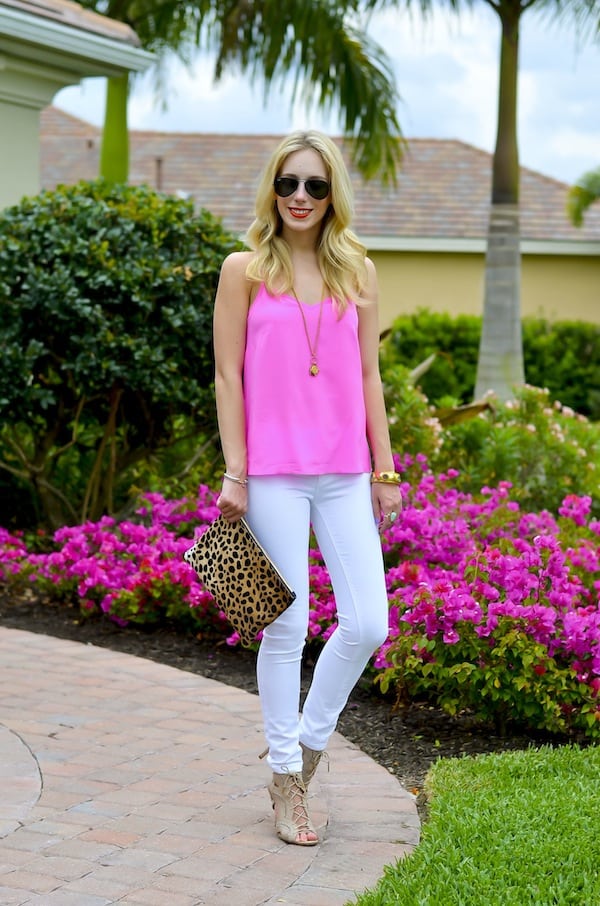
x,y
455,343
565,358
413,427
562,356
106,299
544,450
507,679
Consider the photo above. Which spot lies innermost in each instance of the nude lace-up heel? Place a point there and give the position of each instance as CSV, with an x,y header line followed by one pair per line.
x,y
292,821
311,759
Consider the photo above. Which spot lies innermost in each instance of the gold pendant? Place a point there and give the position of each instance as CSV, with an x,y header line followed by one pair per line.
x,y
314,369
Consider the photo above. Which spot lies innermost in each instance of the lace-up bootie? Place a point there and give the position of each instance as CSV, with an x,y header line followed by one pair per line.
x,y
310,762
311,759
292,821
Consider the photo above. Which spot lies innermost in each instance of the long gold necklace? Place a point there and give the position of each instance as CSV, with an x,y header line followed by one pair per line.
x,y
312,348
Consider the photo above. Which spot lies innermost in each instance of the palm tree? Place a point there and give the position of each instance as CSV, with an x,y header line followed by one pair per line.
x,y
582,195
333,62
500,360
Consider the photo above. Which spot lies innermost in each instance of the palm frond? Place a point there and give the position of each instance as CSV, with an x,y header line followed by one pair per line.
x,y
318,44
333,65
583,194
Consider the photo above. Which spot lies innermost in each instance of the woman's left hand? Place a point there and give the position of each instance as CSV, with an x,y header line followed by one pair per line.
x,y
387,504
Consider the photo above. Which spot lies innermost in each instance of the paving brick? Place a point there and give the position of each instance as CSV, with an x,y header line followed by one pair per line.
x,y
146,860
98,884
62,868
29,881
152,792
11,897
68,897
152,896
303,894
110,836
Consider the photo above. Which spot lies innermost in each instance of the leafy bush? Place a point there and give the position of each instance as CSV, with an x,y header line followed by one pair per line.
x,y
105,330
562,356
414,430
454,342
544,450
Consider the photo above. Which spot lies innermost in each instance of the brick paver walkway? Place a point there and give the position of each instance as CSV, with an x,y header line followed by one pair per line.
x,y
127,781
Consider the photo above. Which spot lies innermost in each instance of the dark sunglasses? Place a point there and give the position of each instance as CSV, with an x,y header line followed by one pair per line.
x,y
316,188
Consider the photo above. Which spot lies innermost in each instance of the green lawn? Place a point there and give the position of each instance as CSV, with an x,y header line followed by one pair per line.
x,y
514,829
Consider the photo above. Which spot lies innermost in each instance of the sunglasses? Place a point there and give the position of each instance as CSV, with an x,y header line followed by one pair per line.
x,y
316,188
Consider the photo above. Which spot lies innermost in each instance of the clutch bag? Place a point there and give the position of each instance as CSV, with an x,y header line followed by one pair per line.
x,y
241,577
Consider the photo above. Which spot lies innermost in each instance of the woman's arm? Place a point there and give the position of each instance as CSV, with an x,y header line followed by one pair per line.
x,y
229,336
386,497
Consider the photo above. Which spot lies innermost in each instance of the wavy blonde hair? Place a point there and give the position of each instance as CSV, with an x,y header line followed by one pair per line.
x,y
340,254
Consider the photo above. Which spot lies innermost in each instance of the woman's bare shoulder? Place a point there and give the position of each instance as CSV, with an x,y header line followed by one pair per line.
x,y
371,272
236,264
370,293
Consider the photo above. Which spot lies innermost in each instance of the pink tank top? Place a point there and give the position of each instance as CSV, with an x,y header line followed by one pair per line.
x,y
297,423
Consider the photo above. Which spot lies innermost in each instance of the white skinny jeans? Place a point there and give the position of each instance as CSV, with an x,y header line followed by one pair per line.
x,y
281,509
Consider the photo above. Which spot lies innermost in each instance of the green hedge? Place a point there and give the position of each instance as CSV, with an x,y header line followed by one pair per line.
x,y
562,356
106,297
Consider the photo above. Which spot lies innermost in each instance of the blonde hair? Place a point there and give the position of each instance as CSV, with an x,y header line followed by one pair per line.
x,y
340,254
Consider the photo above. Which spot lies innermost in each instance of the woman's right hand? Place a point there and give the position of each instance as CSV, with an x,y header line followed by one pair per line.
x,y
233,500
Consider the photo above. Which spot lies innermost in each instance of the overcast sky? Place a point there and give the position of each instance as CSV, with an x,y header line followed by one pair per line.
x,y
446,74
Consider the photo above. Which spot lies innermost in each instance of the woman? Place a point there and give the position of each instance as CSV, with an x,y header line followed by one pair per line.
x,y
305,440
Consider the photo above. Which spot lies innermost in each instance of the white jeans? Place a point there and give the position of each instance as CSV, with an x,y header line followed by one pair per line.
x,y
281,509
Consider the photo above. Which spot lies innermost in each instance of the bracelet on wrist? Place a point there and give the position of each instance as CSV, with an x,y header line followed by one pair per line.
x,y
242,481
386,478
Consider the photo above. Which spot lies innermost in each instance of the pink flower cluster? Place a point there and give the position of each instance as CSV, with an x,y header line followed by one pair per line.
x,y
456,564
452,561
100,562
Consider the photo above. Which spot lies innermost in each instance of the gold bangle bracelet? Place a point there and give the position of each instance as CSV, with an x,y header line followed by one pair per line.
x,y
385,478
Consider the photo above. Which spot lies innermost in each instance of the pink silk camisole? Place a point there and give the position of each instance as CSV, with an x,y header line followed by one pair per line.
x,y
297,423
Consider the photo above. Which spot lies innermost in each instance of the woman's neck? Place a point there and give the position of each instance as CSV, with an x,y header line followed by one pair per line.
x,y
302,243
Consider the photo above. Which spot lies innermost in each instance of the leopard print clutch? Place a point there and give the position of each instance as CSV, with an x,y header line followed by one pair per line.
x,y
243,580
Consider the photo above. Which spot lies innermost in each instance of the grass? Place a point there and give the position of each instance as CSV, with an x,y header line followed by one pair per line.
x,y
511,829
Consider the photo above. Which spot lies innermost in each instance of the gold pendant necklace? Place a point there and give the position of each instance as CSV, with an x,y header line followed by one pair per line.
x,y
312,348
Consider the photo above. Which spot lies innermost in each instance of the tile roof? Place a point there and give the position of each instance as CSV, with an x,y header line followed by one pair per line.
x,y
443,188
75,16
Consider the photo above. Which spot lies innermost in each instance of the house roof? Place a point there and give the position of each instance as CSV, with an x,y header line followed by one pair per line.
x,y
73,15
60,41
442,192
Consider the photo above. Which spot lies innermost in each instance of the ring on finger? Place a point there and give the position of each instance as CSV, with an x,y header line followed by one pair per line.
x,y
393,516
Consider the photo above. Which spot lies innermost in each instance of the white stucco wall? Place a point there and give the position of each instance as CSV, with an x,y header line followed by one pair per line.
x,y
25,88
19,152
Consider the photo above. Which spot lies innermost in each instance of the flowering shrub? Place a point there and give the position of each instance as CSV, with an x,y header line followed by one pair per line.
x,y
411,419
133,571
545,449
492,608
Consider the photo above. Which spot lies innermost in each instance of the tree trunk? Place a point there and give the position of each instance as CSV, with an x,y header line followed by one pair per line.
x,y
95,502
500,365
500,362
114,154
